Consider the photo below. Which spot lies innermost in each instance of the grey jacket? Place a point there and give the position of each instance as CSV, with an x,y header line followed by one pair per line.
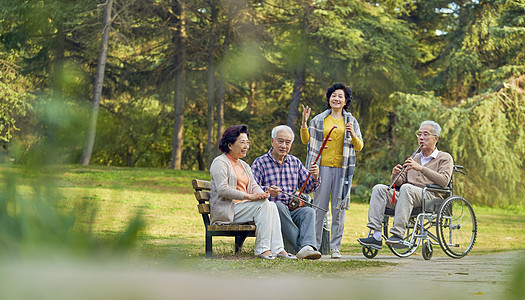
x,y
223,191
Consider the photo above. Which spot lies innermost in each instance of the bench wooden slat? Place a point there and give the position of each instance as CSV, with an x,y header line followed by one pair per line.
x,y
202,196
233,227
204,208
201,184
239,231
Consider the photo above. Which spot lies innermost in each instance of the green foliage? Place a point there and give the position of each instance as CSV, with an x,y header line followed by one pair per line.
x,y
510,32
53,136
131,132
15,99
486,134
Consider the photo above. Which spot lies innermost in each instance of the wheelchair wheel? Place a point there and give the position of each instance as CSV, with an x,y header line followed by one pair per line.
x,y
427,250
403,251
456,227
369,252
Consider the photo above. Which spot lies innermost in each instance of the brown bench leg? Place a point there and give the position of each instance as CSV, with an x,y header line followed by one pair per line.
x,y
208,245
239,240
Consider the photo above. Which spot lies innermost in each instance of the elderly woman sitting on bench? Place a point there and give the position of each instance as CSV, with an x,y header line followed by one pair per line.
x,y
236,198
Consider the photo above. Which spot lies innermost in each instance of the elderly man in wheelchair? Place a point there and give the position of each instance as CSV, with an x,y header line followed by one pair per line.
x,y
424,180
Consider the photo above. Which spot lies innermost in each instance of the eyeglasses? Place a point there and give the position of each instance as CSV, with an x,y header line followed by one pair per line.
x,y
424,134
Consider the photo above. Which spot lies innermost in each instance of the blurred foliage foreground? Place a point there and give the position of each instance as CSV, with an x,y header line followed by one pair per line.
x,y
33,226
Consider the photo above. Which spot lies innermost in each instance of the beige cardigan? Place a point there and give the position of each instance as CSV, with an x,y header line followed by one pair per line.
x,y
436,171
223,191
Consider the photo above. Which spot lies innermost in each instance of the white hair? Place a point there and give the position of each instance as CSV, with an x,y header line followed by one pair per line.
x,y
279,128
435,126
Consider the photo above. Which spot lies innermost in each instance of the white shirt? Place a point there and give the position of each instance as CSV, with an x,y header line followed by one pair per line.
x,y
425,160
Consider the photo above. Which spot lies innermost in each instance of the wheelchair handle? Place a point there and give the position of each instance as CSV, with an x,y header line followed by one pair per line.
x,y
458,168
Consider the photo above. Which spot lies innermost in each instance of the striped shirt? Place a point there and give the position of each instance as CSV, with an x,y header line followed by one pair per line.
x,y
289,176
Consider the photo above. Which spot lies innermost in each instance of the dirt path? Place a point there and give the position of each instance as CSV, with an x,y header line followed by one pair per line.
x,y
471,277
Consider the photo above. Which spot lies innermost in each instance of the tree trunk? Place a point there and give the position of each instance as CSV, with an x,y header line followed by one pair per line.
x,y
251,97
220,112
179,36
58,82
222,88
52,155
200,156
293,112
97,89
210,153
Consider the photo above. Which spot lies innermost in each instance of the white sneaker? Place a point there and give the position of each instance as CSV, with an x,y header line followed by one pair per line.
x,y
308,252
335,253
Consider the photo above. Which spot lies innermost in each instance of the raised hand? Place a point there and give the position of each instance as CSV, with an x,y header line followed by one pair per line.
x,y
306,115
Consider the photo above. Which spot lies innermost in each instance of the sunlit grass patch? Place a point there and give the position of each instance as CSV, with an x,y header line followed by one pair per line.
x,y
174,229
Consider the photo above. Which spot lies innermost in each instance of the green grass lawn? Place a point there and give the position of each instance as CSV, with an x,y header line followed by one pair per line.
x,y
174,231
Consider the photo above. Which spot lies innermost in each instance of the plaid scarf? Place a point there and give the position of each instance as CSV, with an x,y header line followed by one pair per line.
x,y
314,146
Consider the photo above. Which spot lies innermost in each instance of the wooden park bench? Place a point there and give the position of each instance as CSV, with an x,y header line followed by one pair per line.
x,y
239,231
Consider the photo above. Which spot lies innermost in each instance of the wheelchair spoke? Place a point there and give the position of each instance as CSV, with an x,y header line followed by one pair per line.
x,y
457,227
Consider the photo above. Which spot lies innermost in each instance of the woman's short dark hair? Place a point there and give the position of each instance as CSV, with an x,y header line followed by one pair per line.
x,y
339,86
230,135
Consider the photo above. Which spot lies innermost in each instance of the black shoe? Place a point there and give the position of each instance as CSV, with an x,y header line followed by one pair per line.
x,y
393,240
371,242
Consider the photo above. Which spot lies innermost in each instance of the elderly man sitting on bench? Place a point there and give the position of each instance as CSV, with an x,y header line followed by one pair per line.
x,y
281,174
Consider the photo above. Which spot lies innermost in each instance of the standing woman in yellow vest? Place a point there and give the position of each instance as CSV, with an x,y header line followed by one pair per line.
x,y
337,161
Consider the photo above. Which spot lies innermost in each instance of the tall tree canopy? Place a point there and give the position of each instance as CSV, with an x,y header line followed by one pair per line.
x,y
178,72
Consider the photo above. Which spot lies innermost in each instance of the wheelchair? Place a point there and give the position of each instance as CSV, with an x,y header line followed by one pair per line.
x,y
453,218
